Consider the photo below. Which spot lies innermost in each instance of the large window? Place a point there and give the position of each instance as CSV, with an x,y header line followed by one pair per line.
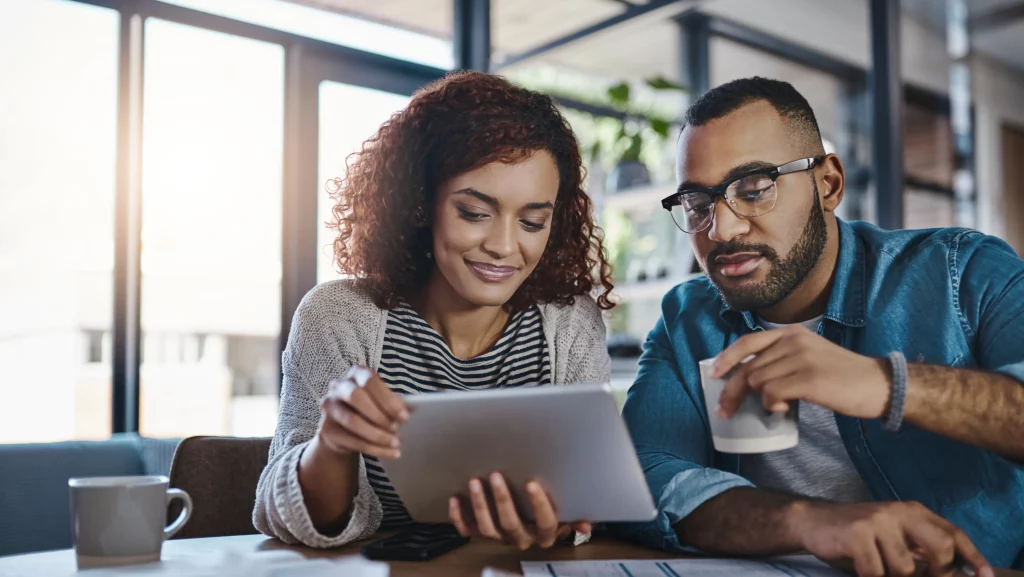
x,y
363,25
204,159
211,232
348,116
58,122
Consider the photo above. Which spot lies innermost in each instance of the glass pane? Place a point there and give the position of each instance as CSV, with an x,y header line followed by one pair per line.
x,y
519,26
348,116
211,228
58,130
416,31
927,209
928,153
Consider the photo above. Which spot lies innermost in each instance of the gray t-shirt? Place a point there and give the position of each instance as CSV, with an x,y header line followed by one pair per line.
x,y
818,466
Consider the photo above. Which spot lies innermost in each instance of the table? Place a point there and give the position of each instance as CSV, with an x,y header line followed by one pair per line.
x,y
466,561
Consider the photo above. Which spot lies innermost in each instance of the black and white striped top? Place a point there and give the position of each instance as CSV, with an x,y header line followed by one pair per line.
x,y
415,359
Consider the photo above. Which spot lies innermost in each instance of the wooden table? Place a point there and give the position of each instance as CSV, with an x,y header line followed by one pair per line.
x,y
466,561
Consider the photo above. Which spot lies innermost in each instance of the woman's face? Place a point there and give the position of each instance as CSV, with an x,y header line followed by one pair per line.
x,y
491,225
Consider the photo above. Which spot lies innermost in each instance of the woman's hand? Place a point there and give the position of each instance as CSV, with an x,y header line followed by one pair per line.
x,y
544,531
360,414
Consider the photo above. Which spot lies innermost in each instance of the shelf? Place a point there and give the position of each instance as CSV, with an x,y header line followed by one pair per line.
x,y
637,199
647,290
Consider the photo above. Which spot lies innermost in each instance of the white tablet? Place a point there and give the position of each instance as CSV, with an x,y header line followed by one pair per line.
x,y
570,438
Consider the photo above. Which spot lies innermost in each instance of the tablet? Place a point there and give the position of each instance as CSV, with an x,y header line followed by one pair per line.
x,y
569,438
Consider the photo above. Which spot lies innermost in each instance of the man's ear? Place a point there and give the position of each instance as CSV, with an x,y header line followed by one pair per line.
x,y
833,179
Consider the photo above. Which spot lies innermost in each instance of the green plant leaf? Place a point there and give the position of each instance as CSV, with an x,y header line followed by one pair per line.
x,y
619,94
623,132
594,151
632,152
662,83
660,126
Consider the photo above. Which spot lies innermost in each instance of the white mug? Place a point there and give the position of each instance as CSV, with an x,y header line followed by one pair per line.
x,y
752,428
120,520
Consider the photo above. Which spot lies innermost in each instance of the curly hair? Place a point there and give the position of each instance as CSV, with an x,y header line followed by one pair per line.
x,y
384,204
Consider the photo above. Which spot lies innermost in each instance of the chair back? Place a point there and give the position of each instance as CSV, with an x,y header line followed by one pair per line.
x,y
220,474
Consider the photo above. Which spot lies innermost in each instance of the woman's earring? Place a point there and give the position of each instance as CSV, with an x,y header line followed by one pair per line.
x,y
430,255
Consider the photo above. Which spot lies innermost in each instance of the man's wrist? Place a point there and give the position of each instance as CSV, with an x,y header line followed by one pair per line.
x,y
894,411
795,517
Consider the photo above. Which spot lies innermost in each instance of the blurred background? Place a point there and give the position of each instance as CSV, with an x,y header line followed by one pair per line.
x,y
162,164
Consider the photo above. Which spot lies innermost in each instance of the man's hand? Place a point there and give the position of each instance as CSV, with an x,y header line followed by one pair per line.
x,y
796,364
509,528
885,538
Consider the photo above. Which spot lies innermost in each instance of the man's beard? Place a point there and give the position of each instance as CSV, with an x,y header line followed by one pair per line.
x,y
783,275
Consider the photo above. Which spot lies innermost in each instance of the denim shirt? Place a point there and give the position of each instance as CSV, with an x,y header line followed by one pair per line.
x,y
949,297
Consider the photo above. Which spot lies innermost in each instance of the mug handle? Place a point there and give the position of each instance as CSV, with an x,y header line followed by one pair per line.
x,y
183,517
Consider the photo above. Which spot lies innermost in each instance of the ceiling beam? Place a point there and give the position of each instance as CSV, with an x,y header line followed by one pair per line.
x,y
784,48
633,11
997,18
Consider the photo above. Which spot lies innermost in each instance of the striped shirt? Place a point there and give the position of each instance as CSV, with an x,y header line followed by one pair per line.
x,y
415,359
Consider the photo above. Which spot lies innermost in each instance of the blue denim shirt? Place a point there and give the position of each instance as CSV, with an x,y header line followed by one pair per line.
x,y
952,297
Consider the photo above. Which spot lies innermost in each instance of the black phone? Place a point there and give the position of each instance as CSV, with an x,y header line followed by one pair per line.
x,y
418,543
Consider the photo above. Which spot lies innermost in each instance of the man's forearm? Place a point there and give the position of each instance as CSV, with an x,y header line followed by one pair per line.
x,y
743,521
978,408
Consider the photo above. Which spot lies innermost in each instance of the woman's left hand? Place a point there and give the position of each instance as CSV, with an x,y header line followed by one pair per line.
x,y
508,527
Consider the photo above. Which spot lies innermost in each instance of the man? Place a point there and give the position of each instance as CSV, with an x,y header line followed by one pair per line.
x,y
905,350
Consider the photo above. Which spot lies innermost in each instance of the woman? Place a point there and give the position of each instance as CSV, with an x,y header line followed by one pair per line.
x,y
473,250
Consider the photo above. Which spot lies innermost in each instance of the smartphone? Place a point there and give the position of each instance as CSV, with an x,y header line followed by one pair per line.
x,y
418,543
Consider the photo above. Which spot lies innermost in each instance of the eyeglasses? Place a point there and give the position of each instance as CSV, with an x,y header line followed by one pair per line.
x,y
750,195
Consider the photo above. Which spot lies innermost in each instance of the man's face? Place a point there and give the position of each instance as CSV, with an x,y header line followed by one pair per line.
x,y
754,262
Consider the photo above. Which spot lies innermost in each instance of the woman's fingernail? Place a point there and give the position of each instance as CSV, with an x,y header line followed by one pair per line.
x,y
719,411
395,443
497,480
533,488
475,486
403,415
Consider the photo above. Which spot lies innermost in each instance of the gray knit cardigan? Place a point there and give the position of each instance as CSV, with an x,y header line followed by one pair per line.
x,y
336,326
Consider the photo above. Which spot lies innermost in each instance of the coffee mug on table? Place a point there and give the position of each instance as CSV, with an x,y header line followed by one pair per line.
x,y
120,520
752,428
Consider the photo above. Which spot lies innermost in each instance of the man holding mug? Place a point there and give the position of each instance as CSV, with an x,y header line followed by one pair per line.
x,y
902,353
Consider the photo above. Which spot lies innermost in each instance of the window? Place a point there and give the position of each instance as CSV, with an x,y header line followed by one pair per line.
x,y
213,117
58,121
348,116
928,164
396,41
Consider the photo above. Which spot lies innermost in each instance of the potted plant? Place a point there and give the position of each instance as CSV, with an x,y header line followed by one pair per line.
x,y
629,170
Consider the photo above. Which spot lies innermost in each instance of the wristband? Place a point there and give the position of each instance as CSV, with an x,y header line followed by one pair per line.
x,y
894,418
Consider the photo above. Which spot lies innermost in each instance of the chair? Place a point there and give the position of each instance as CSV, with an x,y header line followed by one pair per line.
x,y
220,474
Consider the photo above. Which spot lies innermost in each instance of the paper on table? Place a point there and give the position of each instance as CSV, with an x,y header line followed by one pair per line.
x,y
792,566
233,564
